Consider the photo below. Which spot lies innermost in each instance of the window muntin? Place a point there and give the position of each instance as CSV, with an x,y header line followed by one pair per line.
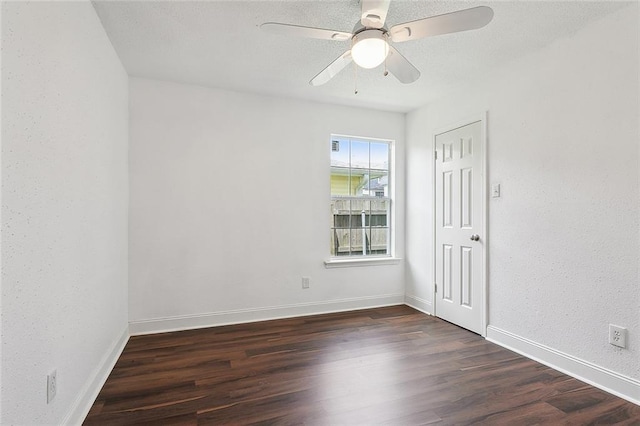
x,y
360,197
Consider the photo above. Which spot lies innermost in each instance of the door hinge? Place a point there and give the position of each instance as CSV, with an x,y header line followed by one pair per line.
x,y
436,285
435,154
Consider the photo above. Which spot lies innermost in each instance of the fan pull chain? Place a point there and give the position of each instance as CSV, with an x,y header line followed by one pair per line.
x,y
355,79
386,71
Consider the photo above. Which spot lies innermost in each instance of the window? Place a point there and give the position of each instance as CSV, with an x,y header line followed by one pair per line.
x,y
360,197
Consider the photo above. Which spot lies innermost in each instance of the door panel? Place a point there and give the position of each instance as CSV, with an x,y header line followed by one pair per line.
x,y
447,200
459,262
466,201
447,281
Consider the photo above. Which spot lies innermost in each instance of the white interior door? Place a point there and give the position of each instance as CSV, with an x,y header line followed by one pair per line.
x,y
459,227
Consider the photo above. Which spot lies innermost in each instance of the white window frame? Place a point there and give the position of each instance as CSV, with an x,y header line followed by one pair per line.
x,y
370,259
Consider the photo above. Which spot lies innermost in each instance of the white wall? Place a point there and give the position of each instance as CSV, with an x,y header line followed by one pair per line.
x,y
563,142
229,207
64,208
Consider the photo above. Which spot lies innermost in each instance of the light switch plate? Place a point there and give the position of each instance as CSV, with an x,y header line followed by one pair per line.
x,y
495,190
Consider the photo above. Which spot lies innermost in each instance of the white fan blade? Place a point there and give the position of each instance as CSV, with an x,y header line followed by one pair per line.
x,y
462,20
299,31
374,12
401,68
332,70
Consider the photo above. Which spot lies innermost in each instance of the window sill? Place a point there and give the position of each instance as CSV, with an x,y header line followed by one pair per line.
x,y
347,263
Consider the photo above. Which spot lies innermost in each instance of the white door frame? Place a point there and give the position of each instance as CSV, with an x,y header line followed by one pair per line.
x,y
482,117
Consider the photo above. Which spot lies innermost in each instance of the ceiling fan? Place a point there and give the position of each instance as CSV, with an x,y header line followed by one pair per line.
x,y
370,38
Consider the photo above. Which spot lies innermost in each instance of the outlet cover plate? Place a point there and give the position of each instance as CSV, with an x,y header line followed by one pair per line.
x,y
617,336
306,281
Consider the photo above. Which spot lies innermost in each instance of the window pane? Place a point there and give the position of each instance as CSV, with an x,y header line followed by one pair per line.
x,y
356,242
342,221
340,181
359,155
332,215
358,208
341,206
359,182
340,214
333,244
379,183
377,220
339,152
380,156
379,213
379,237
341,242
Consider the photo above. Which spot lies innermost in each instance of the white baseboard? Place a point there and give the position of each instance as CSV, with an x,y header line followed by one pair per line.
x,y
607,380
91,389
213,319
418,303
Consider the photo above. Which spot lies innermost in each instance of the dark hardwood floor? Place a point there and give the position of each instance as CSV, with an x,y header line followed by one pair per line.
x,y
393,366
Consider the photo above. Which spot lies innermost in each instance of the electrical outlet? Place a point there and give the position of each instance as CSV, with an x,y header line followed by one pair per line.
x,y
305,282
52,386
617,336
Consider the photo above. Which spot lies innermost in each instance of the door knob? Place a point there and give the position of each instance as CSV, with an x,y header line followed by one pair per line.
x,y
475,237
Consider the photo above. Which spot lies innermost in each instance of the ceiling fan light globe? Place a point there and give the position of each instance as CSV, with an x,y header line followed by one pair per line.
x,y
369,48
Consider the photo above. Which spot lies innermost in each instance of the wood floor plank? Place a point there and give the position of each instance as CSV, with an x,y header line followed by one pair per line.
x,y
392,365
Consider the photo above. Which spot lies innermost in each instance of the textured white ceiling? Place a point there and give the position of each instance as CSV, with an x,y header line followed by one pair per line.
x,y
219,44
